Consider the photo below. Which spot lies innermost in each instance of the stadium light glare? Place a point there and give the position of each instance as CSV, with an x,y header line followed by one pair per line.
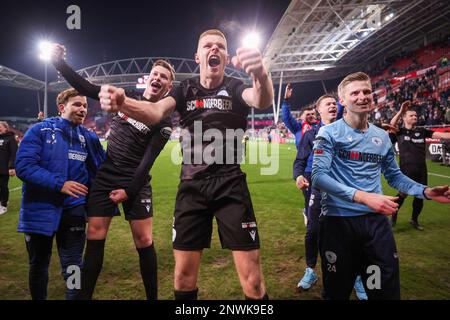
x,y
45,54
251,40
45,50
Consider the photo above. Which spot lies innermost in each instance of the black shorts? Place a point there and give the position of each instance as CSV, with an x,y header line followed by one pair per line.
x,y
362,245
109,177
226,198
417,173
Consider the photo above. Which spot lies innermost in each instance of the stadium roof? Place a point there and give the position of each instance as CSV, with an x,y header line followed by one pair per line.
x,y
326,39
314,40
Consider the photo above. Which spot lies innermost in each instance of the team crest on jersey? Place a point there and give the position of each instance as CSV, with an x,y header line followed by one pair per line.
x,y
52,140
223,93
82,140
1,142
377,141
417,134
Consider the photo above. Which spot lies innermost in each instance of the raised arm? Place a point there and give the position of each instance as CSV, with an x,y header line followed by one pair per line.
x,y
113,99
290,122
260,95
74,79
404,107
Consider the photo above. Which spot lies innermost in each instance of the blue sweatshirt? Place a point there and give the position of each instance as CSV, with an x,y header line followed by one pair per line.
x,y
347,160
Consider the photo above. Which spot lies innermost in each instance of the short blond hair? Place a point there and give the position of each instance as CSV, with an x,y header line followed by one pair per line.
x,y
357,76
324,97
65,95
216,32
165,64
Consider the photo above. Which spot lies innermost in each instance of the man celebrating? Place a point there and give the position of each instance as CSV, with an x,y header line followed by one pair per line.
x,y
124,177
210,188
57,160
412,146
354,234
297,127
328,110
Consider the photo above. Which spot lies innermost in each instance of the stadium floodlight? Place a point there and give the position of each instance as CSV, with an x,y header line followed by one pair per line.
x,y
251,40
45,50
320,68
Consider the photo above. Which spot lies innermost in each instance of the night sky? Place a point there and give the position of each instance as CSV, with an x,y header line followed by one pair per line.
x,y
111,31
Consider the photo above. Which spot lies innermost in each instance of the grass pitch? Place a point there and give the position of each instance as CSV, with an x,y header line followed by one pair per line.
x,y
424,256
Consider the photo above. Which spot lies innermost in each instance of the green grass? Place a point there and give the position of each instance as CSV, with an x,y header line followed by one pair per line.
x,y
424,256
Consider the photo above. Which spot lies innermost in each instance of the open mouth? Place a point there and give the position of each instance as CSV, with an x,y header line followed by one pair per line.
x,y
214,61
155,85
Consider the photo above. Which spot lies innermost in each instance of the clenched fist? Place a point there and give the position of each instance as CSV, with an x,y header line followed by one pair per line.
x,y
250,60
58,52
111,98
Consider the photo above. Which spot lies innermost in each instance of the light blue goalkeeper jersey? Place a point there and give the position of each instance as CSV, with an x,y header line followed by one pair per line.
x,y
347,159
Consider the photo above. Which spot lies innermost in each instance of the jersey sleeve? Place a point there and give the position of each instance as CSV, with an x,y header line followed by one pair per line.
x,y
323,158
75,80
159,138
177,94
291,123
238,90
428,133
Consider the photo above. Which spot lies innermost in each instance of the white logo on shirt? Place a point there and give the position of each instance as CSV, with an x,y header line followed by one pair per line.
x,y
253,234
223,93
377,141
331,256
82,141
77,155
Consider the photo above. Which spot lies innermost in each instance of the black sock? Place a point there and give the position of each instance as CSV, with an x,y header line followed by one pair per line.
x,y
400,200
264,297
186,295
92,265
149,271
417,208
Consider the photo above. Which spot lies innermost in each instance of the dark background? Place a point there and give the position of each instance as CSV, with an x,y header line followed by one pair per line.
x,y
112,31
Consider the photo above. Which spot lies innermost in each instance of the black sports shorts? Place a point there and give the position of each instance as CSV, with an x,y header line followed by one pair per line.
x,y
228,199
109,177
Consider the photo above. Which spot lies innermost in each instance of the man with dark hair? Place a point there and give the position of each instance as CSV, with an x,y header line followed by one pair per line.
x,y
298,127
124,176
8,149
57,161
354,233
210,104
412,145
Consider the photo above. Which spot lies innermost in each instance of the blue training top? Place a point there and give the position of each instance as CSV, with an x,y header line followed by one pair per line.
x,y
347,159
